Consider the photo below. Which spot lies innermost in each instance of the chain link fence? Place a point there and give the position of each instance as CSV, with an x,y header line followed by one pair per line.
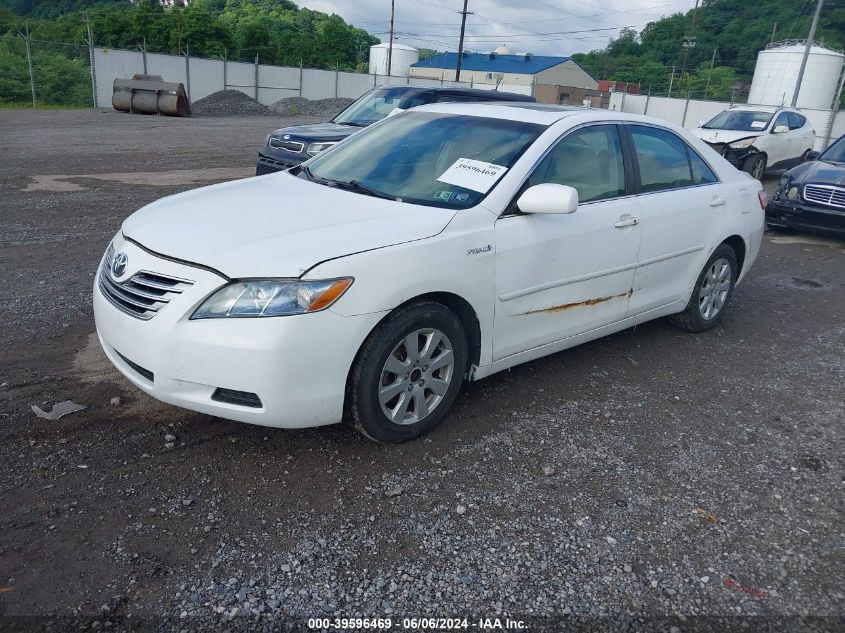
x,y
40,73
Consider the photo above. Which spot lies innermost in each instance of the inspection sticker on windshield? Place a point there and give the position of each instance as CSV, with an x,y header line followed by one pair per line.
x,y
758,124
472,174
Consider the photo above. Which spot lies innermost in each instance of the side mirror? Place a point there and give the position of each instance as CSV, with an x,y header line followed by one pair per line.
x,y
548,198
813,155
780,129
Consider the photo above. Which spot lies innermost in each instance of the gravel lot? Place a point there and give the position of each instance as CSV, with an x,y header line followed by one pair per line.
x,y
652,480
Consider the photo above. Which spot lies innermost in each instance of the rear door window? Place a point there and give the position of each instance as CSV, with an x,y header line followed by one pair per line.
x,y
701,172
662,158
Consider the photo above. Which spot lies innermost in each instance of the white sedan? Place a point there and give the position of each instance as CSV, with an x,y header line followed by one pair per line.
x,y
438,246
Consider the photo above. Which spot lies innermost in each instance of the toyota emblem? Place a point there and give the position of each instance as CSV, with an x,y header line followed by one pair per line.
x,y
118,266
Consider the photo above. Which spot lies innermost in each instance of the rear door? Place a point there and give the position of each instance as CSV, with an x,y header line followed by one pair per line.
x,y
682,205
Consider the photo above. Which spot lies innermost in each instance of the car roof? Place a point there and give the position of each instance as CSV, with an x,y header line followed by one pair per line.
x,y
490,95
542,113
761,108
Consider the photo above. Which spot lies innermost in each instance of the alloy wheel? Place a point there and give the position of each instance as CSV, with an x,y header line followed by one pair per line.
x,y
416,376
715,288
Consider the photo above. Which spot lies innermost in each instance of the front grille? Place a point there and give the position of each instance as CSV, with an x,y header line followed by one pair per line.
x,y
290,146
146,373
143,294
241,398
825,194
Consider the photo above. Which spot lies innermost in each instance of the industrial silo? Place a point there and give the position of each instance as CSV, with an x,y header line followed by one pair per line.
x,y
776,74
403,57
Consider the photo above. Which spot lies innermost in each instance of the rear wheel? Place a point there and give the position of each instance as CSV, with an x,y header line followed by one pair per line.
x,y
407,373
755,165
711,294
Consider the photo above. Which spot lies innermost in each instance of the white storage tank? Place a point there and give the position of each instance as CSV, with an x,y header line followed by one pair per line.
x,y
776,74
400,65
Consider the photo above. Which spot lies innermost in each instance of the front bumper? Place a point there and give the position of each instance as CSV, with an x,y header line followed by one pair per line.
x,y
800,215
272,160
297,366
735,157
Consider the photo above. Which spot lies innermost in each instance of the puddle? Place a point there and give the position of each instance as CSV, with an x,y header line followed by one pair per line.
x,y
810,240
175,177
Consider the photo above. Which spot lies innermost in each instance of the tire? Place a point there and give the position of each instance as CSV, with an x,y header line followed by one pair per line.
x,y
755,165
386,406
805,156
699,315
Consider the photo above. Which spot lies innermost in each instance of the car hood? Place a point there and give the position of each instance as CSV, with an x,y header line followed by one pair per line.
x,y
276,226
723,136
317,132
818,171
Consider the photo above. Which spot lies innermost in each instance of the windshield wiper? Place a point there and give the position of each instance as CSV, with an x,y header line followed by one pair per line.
x,y
354,185
352,124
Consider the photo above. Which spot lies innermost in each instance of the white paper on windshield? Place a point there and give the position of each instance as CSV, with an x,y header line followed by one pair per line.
x,y
758,124
395,111
472,174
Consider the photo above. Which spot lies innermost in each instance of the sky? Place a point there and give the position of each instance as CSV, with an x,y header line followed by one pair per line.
x,y
542,27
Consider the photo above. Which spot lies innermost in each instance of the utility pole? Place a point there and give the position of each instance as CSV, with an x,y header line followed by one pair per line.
x,y
91,59
774,29
464,14
29,62
710,72
689,41
671,81
390,46
807,52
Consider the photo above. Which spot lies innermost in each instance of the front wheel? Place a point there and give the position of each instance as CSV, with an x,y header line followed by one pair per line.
x,y
755,165
711,294
407,373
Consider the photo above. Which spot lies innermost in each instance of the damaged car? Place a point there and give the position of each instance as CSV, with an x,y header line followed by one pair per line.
x,y
756,138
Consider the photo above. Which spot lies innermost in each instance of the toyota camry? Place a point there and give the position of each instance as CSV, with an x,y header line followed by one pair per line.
x,y
438,246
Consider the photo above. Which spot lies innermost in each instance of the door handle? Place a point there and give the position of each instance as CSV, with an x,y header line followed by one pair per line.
x,y
717,202
626,220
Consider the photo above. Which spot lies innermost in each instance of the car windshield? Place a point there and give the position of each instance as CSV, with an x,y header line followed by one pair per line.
x,y
835,153
434,159
740,120
374,106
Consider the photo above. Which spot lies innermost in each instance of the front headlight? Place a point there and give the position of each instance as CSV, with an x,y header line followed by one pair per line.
x,y
792,193
746,142
267,140
272,297
315,148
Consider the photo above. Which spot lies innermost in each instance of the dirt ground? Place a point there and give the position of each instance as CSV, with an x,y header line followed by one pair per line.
x,y
652,480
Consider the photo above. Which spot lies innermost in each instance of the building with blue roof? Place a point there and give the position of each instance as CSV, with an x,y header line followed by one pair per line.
x,y
550,78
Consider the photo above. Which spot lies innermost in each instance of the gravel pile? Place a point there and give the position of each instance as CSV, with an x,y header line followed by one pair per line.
x,y
300,105
228,103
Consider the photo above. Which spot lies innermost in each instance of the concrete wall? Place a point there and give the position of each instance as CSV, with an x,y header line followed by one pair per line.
x,y
205,76
691,114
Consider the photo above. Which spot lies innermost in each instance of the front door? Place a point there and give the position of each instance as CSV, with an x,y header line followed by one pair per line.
x,y
561,275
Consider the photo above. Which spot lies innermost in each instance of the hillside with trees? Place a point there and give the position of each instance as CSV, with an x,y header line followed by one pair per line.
x,y
735,29
277,31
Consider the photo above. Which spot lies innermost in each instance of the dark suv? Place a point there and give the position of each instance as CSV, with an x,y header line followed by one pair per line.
x,y
290,146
